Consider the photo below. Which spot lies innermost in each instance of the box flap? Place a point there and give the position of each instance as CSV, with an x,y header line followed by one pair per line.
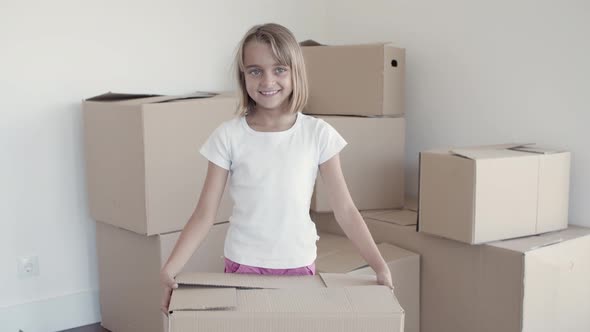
x,y
349,259
138,99
338,280
398,217
530,243
197,298
236,280
194,95
340,261
329,244
489,152
368,299
537,149
113,96
310,42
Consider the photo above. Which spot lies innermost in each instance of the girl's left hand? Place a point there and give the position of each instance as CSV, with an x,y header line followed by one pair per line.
x,y
384,278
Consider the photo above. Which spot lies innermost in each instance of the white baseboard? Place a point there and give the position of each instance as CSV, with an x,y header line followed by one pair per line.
x,y
50,315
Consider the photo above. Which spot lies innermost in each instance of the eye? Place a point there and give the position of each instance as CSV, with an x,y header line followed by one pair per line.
x,y
254,72
280,70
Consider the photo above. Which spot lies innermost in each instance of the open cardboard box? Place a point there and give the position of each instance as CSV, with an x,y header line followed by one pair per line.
x,y
337,254
323,303
144,172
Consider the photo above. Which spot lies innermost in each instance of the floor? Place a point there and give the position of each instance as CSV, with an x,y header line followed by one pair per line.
x,y
88,328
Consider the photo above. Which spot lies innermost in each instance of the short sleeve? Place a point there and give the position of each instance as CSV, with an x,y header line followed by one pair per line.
x,y
331,142
217,149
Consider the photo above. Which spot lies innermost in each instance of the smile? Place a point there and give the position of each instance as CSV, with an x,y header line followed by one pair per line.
x,y
269,93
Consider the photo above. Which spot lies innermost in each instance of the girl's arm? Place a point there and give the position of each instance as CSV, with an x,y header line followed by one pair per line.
x,y
350,220
195,230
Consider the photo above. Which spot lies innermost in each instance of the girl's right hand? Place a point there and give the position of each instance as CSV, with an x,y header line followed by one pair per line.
x,y
168,284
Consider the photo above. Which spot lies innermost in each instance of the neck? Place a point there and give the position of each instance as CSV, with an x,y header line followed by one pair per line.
x,y
271,120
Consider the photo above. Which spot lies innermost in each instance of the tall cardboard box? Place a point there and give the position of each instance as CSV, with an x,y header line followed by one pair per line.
x,y
483,194
129,267
337,254
144,172
535,283
372,162
363,80
326,302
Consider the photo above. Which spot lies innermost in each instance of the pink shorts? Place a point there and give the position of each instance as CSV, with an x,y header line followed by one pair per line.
x,y
233,267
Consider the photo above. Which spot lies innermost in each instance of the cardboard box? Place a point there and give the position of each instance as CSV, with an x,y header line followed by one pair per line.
x,y
237,302
337,254
129,267
143,168
483,194
401,221
536,283
372,162
366,80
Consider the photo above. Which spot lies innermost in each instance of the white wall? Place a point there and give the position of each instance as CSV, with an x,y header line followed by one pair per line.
x,y
481,72
53,55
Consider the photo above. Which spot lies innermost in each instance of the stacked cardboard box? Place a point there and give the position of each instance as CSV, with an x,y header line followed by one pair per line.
x,y
531,283
491,227
143,169
129,270
535,283
359,90
144,175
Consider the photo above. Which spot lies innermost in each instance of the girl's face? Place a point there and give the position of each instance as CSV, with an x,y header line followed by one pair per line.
x,y
268,83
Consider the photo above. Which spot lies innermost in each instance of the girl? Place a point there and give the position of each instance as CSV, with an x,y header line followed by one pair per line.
x,y
273,152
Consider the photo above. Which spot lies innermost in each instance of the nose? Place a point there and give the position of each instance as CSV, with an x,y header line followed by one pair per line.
x,y
267,80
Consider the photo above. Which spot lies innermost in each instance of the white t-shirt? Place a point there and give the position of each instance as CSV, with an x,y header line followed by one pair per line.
x,y
271,184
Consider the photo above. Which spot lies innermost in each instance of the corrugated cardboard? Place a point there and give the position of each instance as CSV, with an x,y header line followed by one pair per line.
x,y
365,80
483,194
337,254
553,289
535,283
372,162
143,168
237,302
325,222
400,217
129,269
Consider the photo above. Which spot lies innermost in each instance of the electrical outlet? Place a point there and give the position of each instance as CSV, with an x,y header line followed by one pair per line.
x,y
28,266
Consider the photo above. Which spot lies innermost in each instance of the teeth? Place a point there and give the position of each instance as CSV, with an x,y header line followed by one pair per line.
x,y
268,93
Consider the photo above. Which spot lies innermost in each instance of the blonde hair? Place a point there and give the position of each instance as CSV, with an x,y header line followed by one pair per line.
x,y
286,51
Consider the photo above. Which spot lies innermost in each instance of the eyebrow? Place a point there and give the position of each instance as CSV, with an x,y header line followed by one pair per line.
x,y
258,66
